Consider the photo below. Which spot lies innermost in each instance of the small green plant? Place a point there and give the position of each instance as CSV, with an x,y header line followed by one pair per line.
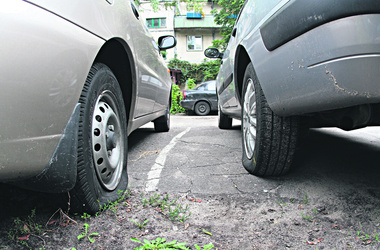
x,y
139,224
85,216
367,237
205,247
307,217
24,228
173,210
306,199
114,206
178,213
377,238
90,236
282,204
159,243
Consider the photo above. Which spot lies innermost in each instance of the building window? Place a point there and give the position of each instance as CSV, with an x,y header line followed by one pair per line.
x,y
194,43
156,22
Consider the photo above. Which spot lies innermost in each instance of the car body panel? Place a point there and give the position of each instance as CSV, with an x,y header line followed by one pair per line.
x,y
58,43
32,127
300,16
149,69
250,18
332,66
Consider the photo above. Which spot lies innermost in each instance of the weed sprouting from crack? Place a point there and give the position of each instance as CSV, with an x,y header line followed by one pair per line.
x,y
140,225
306,199
160,243
114,206
170,208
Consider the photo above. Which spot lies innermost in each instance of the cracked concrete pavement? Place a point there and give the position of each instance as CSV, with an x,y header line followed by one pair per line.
x,y
207,160
204,159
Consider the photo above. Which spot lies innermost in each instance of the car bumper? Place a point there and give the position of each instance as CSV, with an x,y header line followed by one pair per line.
x,y
187,104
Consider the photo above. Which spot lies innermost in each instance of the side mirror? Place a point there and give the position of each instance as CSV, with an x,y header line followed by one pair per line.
x,y
213,53
166,42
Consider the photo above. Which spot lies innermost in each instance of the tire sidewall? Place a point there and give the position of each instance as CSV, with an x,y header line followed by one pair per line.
x,y
102,80
250,164
162,124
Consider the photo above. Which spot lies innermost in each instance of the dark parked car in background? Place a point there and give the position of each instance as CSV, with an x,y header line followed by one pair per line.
x,y
77,77
202,100
298,63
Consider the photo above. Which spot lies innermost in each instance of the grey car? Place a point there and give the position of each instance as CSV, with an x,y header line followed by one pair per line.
x,y
295,64
202,100
76,78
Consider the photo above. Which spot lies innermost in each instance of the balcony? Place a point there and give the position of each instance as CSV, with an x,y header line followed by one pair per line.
x,y
183,22
193,15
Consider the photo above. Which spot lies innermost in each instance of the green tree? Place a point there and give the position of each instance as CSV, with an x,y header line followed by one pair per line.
x,y
226,17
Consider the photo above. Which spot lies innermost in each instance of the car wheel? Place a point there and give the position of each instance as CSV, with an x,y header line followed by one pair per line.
x,y
202,108
224,122
102,145
269,141
162,124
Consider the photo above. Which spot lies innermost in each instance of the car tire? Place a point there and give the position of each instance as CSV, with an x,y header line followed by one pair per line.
x,y
162,124
269,141
224,122
102,143
202,108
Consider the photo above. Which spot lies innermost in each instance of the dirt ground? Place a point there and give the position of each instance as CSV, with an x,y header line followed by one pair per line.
x,y
264,221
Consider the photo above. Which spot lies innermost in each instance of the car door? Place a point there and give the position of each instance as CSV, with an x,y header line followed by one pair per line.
x,y
228,96
150,72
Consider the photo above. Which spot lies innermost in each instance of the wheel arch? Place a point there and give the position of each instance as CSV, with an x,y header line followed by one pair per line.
x,y
118,56
242,60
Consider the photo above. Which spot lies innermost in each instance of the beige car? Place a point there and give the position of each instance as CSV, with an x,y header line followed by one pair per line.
x,y
76,78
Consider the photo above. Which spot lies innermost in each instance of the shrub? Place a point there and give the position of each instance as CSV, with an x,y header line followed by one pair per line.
x,y
176,98
199,72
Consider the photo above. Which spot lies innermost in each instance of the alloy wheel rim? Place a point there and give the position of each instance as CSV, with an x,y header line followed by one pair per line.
x,y
249,119
107,141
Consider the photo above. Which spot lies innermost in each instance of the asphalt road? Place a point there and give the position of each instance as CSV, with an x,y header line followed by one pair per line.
x,y
196,157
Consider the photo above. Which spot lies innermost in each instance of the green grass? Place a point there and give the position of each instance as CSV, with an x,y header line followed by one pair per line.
x,y
170,208
160,243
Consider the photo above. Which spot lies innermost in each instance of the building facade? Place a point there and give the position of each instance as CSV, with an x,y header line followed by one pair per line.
x,y
192,23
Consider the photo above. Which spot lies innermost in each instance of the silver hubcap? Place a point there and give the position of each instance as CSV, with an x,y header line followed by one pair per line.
x,y
202,108
249,119
107,141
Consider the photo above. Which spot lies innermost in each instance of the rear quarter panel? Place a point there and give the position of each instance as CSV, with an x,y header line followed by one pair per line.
x,y
333,66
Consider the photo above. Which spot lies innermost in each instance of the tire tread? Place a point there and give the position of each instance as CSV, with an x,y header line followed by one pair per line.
x,y
276,137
